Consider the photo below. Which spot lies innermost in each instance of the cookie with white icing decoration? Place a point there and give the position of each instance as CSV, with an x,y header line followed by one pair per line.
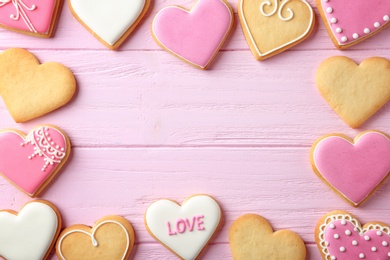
x,y
351,21
273,26
30,162
195,35
30,89
111,237
110,21
354,91
31,233
354,169
31,17
251,237
339,235
185,229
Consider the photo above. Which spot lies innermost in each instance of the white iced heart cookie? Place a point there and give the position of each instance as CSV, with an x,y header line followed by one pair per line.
x,y
31,233
110,21
185,229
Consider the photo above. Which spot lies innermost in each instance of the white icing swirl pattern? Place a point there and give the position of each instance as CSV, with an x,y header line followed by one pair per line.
x,y
276,9
21,9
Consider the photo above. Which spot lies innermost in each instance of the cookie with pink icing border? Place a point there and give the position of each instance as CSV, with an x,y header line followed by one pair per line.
x,y
339,235
354,169
195,35
33,17
351,21
31,161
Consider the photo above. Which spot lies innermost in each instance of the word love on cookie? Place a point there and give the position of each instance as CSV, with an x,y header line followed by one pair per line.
x,y
185,229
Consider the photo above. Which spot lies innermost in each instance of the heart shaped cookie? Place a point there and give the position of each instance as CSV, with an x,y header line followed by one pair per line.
x,y
31,162
32,17
273,26
354,169
31,233
31,90
252,237
111,22
185,229
355,92
112,237
351,21
194,36
339,235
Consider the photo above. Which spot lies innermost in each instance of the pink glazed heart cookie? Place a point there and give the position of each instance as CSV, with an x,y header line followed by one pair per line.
x,y
31,162
194,36
354,169
352,21
339,235
32,17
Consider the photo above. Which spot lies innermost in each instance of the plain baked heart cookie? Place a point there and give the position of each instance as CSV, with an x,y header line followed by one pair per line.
x,y
355,92
30,89
354,169
112,237
31,233
110,21
185,229
197,35
31,162
273,26
339,235
32,17
351,21
251,237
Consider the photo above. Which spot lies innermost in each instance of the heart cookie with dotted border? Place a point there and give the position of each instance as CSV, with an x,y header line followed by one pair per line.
x,y
355,92
112,237
273,26
251,237
339,235
351,21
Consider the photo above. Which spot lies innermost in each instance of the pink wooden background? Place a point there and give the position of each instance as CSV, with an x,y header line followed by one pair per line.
x,y
144,126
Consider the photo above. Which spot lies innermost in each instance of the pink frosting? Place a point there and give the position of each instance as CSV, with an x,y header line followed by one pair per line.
x,y
344,241
20,161
355,18
195,36
354,169
39,19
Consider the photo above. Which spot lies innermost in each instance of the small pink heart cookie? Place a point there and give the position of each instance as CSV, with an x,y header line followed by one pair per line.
x,y
354,169
351,21
32,17
339,235
31,162
195,36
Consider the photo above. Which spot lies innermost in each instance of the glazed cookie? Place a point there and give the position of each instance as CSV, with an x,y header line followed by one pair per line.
x,y
251,237
111,22
354,169
185,229
30,89
112,237
31,162
355,92
351,21
197,35
339,235
273,26
31,233
32,17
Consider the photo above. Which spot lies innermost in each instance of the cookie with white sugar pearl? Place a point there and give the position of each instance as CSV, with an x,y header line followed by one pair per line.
x,y
339,235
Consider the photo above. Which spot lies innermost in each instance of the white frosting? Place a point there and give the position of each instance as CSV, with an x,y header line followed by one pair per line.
x,y
276,8
29,234
188,244
109,19
21,12
94,242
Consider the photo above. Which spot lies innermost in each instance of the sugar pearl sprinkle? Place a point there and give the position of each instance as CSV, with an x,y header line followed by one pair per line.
x,y
361,256
373,249
354,242
336,236
367,238
384,243
342,249
348,232
333,21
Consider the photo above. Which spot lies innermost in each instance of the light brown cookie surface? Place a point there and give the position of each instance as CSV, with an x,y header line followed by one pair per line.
x,y
30,89
251,237
355,92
